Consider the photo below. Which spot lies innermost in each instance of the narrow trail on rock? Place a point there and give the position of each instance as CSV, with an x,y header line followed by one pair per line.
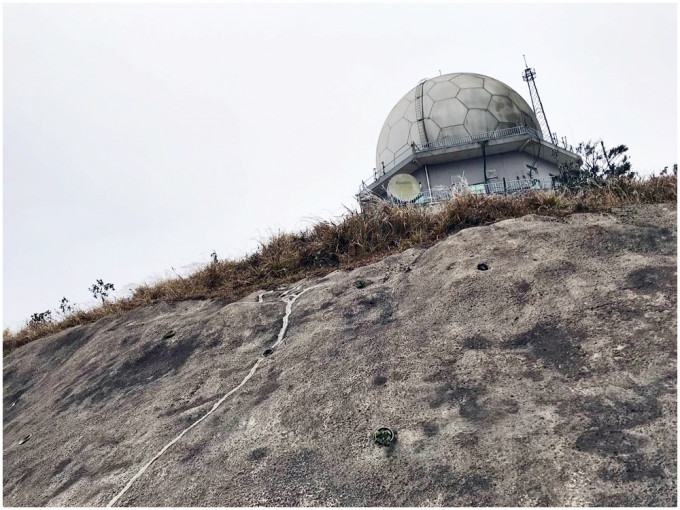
x,y
289,297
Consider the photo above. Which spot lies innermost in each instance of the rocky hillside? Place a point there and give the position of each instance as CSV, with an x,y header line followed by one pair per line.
x,y
531,362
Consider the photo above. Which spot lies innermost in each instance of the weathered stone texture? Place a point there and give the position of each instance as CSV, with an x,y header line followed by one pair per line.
x,y
548,379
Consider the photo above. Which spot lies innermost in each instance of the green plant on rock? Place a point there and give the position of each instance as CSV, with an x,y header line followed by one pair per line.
x,y
383,436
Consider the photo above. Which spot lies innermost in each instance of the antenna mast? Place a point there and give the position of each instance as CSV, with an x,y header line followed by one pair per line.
x,y
529,77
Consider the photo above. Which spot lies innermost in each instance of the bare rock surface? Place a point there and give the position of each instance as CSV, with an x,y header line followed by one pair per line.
x,y
547,379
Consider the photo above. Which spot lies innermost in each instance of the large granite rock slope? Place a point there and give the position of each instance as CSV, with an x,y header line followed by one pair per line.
x,y
547,379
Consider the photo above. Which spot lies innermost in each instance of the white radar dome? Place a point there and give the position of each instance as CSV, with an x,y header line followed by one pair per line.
x,y
457,104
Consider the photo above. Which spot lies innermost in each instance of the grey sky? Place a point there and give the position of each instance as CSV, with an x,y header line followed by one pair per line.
x,y
140,137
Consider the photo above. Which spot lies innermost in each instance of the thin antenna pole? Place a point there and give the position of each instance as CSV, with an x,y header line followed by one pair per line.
x,y
529,77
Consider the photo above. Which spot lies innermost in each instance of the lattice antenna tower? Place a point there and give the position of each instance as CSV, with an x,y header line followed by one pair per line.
x,y
529,76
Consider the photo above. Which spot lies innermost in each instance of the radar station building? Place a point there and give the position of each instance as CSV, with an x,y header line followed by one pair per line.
x,y
465,130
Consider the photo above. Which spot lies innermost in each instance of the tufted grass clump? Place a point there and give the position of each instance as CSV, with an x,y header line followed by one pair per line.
x,y
357,239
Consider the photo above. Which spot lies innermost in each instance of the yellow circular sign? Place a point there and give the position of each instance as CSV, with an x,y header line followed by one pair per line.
x,y
403,187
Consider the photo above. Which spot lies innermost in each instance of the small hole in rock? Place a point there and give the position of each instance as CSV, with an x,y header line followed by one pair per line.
x,y
482,267
268,352
169,334
26,438
360,284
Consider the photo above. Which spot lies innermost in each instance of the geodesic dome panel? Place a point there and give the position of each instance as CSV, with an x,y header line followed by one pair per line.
x,y
480,121
456,104
448,112
474,98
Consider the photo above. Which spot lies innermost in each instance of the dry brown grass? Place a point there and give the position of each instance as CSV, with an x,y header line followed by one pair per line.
x,y
359,239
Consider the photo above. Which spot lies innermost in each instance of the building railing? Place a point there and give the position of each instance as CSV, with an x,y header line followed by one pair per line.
x,y
511,187
425,197
452,141
491,188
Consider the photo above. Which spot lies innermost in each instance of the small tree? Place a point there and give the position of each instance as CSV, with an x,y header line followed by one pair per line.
x,y
573,176
600,162
597,165
617,162
101,290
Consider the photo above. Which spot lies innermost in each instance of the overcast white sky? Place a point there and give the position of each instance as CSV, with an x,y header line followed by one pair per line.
x,y
143,137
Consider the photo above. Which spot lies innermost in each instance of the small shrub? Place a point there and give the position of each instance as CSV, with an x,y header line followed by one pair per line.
x,y
65,307
38,319
99,289
383,436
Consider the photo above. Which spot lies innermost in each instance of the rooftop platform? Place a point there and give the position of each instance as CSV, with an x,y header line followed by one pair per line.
x,y
521,139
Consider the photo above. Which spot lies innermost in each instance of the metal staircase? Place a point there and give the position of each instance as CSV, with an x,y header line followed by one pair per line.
x,y
419,113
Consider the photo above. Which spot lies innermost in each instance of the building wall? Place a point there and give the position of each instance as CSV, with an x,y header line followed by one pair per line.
x,y
511,165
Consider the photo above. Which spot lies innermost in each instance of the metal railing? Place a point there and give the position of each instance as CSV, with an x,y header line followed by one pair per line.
x,y
509,187
387,166
452,141
490,188
423,198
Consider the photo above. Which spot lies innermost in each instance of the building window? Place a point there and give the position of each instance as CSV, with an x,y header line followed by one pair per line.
x,y
532,170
